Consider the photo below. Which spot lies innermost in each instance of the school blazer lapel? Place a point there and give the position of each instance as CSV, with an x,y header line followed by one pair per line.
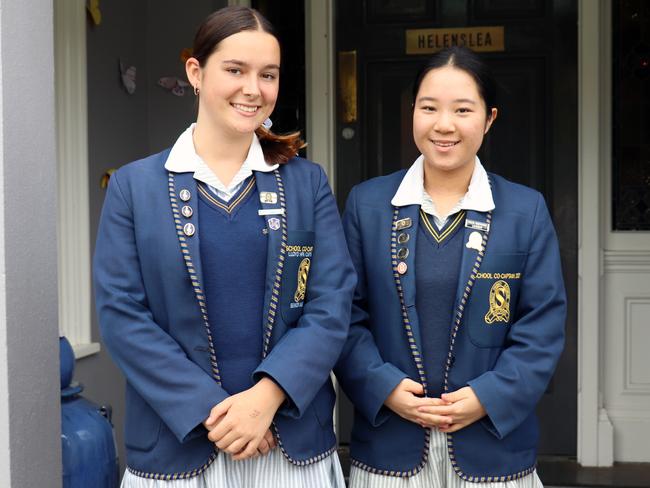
x,y
273,206
476,233
184,200
405,223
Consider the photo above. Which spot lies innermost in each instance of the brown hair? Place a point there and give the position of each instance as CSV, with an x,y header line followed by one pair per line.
x,y
222,24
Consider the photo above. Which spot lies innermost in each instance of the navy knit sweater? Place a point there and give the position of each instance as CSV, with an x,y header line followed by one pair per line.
x,y
233,257
437,263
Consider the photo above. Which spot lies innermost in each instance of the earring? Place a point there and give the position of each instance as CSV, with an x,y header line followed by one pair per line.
x,y
196,91
267,124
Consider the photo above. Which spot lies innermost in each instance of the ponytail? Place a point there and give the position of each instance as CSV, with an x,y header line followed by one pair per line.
x,y
278,149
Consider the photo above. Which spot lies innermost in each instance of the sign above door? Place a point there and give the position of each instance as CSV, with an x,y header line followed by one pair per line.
x,y
427,41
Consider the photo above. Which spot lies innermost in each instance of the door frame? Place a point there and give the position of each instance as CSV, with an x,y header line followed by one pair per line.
x,y
595,437
595,431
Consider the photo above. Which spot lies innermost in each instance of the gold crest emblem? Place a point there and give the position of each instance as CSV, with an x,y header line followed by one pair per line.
x,y
301,288
499,303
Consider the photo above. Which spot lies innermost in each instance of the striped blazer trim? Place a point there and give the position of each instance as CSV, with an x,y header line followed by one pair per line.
x,y
174,476
198,290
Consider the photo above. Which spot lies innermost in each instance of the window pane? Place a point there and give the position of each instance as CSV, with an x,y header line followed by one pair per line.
x,y
631,115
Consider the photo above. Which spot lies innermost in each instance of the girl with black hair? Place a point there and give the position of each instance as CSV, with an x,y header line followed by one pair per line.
x,y
223,285
458,315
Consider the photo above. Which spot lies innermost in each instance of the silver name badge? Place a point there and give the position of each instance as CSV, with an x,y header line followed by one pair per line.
x,y
476,225
270,211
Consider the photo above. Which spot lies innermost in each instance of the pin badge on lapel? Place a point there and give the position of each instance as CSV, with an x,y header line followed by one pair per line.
x,y
402,267
403,223
187,211
475,241
185,195
274,223
402,253
403,238
189,229
268,197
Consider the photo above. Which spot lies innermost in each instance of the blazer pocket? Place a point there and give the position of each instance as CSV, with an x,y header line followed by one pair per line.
x,y
294,289
493,301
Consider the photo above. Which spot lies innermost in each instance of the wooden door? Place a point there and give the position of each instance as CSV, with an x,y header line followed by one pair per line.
x,y
533,141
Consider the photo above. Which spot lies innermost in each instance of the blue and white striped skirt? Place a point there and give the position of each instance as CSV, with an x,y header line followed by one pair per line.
x,y
438,472
270,471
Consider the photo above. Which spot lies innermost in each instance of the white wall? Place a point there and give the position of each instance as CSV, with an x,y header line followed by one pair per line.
x,y
29,371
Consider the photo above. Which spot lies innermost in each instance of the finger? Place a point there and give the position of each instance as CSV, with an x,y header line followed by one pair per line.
x,y
434,420
448,410
454,396
427,402
220,430
450,429
249,452
213,425
268,436
226,440
433,401
264,447
236,446
412,386
218,410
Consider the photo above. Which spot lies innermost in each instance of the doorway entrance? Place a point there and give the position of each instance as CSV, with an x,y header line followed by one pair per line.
x,y
533,142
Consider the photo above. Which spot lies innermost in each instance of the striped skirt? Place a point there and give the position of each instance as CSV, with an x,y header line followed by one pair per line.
x,y
437,473
270,471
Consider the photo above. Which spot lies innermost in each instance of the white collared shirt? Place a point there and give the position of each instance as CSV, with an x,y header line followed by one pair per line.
x,y
411,192
183,159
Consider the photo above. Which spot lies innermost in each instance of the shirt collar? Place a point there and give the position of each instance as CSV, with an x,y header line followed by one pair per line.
x,y
478,196
183,158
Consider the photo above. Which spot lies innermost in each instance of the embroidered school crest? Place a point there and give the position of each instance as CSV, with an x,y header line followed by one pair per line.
x,y
274,223
301,288
499,303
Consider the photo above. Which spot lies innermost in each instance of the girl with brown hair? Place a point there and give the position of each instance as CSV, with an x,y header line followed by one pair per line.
x,y
223,285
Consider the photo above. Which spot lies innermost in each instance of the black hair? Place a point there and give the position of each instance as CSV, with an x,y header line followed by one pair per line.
x,y
467,60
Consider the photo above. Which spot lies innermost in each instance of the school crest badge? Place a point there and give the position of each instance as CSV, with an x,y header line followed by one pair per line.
x,y
301,288
274,223
499,303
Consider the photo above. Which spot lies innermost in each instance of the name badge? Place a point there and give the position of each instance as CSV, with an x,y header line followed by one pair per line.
x,y
476,225
270,211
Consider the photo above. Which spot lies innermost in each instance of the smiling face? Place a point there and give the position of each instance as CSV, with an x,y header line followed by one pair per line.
x,y
449,119
239,82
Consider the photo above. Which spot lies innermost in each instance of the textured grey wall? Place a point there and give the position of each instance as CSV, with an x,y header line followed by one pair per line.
x,y
29,322
121,127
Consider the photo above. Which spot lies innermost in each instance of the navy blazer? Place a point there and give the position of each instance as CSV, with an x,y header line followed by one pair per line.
x,y
507,358
154,322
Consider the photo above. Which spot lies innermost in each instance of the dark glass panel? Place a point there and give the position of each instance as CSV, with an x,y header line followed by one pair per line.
x,y
631,115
